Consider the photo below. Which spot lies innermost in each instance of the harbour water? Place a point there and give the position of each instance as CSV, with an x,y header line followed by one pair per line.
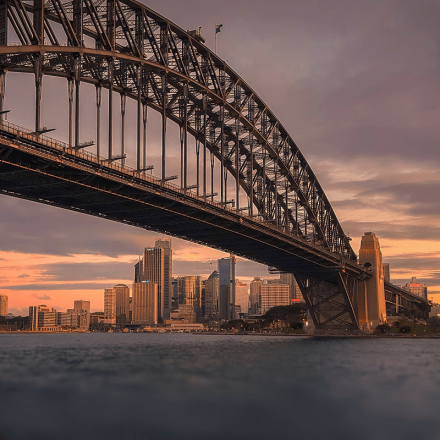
x,y
191,387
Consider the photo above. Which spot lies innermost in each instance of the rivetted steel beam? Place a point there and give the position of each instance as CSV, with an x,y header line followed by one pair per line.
x,y
123,108
70,112
38,89
110,109
139,117
98,119
77,64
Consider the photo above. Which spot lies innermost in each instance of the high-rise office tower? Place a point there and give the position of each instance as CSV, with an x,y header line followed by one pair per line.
x,y
122,303
255,295
117,304
165,244
274,294
82,310
226,269
190,292
145,303
211,296
175,290
110,306
3,305
295,292
156,266
242,297
386,272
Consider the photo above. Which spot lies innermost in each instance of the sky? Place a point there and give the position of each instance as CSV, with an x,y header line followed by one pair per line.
x,y
355,83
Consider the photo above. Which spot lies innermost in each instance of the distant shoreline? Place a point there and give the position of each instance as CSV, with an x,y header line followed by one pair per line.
x,y
374,336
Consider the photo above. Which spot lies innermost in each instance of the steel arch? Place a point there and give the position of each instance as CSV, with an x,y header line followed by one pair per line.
x,y
144,56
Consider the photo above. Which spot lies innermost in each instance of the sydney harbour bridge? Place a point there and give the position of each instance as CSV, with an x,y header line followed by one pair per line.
x,y
243,185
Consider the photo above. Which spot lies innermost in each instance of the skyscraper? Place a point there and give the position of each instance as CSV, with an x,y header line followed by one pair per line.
x,y
156,267
110,306
242,297
190,292
145,303
122,303
211,297
386,272
295,292
165,244
82,309
255,295
226,269
117,304
3,305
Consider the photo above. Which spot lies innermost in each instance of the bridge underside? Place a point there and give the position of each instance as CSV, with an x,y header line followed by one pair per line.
x,y
29,171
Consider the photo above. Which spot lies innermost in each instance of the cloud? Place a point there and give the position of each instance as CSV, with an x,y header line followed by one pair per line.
x,y
43,297
24,275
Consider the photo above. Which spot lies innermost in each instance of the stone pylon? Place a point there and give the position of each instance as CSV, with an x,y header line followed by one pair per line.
x,y
371,291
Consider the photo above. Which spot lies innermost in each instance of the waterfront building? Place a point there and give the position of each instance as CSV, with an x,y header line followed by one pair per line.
x,y
145,303
43,318
241,298
273,295
3,305
295,294
122,303
226,269
255,295
416,288
110,306
190,292
211,295
156,266
185,314
82,310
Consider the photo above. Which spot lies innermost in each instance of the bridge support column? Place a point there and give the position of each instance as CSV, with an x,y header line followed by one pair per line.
x,y
70,116
145,121
164,123
98,120
139,116
110,109
123,107
2,94
370,257
38,89
330,303
77,112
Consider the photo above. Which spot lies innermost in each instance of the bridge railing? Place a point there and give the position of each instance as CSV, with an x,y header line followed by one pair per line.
x,y
24,133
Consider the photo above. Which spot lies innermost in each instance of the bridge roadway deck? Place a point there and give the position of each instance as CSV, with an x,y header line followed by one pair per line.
x,y
44,170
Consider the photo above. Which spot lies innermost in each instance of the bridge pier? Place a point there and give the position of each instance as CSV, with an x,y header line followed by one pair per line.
x,y
371,291
330,303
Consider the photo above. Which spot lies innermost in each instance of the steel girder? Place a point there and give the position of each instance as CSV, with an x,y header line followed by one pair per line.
x,y
143,55
330,302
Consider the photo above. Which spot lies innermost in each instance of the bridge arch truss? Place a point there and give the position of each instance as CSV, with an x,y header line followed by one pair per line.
x,y
124,47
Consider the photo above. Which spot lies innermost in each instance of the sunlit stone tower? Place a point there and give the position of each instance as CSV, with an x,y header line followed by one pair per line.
x,y
371,292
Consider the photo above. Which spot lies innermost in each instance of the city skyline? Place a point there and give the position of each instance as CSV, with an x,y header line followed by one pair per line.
x,y
355,123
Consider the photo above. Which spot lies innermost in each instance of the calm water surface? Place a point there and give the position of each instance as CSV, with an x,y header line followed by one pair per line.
x,y
191,387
